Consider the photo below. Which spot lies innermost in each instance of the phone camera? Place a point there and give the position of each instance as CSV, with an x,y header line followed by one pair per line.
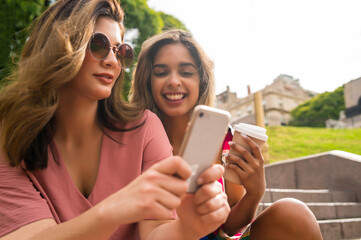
x,y
201,114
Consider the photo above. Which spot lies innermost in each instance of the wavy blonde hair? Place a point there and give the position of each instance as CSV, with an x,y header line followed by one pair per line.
x,y
51,57
141,92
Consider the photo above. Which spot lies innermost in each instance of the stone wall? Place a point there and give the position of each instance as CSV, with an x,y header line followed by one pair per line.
x,y
334,170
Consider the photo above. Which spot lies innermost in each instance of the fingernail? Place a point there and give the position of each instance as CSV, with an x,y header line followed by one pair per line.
x,y
230,143
244,135
221,168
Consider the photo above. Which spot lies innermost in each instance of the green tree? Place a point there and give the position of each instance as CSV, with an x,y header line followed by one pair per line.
x,y
171,22
316,111
16,15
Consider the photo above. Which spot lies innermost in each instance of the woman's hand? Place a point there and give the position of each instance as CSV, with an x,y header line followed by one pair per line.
x,y
203,212
153,195
250,169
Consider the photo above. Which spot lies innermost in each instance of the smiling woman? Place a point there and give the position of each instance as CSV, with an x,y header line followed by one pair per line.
x,y
175,80
172,77
162,71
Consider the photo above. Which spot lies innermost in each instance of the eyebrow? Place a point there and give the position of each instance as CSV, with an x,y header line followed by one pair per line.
x,y
161,65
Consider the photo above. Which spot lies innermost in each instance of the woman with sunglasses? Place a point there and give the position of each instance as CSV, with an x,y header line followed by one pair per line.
x,y
76,162
172,76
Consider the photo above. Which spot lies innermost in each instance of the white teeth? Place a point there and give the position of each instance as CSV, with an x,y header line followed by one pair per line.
x,y
174,97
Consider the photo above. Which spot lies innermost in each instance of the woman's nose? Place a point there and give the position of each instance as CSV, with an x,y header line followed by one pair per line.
x,y
111,60
174,80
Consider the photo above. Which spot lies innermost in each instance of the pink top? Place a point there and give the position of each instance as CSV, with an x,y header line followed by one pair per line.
x,y
227,138
26,196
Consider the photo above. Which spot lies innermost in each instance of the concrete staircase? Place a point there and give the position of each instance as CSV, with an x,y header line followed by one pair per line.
x,y
329,183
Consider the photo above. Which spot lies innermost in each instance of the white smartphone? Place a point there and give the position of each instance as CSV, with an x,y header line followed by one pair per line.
x,y
203,139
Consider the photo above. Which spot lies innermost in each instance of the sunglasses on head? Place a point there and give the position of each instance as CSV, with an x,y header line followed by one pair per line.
x,y
99,46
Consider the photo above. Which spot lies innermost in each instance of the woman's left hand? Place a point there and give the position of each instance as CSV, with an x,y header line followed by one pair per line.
x,y
250,169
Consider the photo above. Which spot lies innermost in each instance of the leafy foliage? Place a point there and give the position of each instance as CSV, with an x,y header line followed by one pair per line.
x,y
17,15
171,22
316,111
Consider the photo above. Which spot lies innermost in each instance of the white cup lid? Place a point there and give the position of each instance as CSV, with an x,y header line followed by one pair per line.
x,y
251,130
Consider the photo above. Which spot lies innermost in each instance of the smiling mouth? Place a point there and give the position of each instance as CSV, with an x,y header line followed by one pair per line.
x,y
174,97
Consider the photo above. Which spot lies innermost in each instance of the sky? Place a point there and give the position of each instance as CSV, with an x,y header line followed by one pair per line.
x,y
252,42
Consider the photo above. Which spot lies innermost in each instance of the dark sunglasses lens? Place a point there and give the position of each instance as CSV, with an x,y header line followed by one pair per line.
x,y
125,55
99,46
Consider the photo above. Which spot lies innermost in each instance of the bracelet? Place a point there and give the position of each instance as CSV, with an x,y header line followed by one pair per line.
x,y
222,158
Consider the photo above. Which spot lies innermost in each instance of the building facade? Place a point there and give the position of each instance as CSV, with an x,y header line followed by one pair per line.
x,y
279,98
351,117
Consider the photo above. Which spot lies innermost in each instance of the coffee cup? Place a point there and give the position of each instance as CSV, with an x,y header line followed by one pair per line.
x,y
256,133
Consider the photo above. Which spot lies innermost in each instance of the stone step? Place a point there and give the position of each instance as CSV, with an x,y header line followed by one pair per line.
x,y
338,212
307,195
335,210
338,229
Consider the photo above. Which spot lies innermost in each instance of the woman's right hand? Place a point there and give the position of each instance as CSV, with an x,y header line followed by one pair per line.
x,y
153,195
203,212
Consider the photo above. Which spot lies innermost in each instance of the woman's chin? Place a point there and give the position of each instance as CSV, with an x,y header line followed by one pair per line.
x,y
176,113
104,93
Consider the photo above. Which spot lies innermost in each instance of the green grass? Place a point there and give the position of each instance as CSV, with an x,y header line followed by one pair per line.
x,y
293,142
